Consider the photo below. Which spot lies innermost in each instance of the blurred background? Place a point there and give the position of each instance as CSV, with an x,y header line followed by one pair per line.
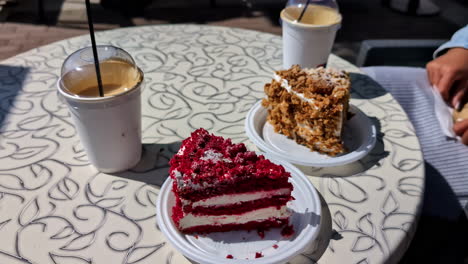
x,y
26,24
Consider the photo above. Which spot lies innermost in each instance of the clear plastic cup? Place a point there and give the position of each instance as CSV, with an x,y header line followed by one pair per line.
x,y
309,32
109,127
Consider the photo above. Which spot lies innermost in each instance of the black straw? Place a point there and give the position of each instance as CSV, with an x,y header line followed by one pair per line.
x,y
303,11
93,44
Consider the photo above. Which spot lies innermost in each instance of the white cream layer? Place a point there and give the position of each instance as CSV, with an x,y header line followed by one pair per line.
x,y
230,199
285,85
191,220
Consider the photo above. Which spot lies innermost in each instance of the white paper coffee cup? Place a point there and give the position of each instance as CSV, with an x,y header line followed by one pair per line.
x,y
307,45
109,127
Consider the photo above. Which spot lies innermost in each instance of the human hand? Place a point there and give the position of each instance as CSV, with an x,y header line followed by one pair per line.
x,y
461,129
449,73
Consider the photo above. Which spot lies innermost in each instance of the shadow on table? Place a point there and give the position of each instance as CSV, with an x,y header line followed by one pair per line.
x,y
316,249
364,87
442,232
372,159
153,167
12,79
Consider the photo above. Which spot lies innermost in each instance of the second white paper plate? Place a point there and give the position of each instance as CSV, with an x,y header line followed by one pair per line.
x,y
359,138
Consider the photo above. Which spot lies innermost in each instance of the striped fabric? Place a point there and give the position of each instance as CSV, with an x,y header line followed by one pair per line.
x,y
409,86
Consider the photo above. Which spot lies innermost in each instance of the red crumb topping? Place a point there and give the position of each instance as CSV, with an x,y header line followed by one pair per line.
x,y
207,166
177,212
275,246
258,254
287,231
205,160
229,256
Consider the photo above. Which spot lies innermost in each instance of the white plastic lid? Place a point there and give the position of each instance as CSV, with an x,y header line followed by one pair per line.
x,y
117,68
85,56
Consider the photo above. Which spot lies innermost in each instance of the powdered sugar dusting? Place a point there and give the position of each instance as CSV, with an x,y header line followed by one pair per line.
x,y
212,155
177,174
181,151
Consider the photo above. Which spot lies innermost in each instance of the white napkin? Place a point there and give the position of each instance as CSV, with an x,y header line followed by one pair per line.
x,y
418,82
444,114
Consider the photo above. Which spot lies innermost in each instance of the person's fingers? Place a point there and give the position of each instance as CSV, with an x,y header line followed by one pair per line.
x,y
436,76
465,138
445,84
460,127
430,74
433,70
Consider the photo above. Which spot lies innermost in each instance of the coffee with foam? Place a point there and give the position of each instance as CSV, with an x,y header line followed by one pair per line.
x,y
118,76
314,15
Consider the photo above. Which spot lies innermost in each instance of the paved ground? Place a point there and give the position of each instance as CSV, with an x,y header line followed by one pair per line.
x,y
21,27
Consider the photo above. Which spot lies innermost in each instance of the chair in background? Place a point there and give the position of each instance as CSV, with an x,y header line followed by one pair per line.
x,y
397,52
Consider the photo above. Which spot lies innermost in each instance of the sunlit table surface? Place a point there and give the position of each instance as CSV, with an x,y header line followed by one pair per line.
x,y
56,208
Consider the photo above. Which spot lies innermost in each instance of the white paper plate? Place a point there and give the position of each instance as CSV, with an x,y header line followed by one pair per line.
x,y
359,137
213,248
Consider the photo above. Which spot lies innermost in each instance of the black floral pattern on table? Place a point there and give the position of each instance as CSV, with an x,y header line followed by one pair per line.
x,y
56,208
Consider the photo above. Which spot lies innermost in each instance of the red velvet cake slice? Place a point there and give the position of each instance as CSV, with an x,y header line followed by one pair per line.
x,y
220,186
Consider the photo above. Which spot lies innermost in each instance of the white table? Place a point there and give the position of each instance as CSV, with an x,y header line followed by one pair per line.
x,y
56,208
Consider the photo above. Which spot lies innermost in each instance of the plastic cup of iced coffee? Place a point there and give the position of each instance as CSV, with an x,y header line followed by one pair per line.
x,y
109,126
